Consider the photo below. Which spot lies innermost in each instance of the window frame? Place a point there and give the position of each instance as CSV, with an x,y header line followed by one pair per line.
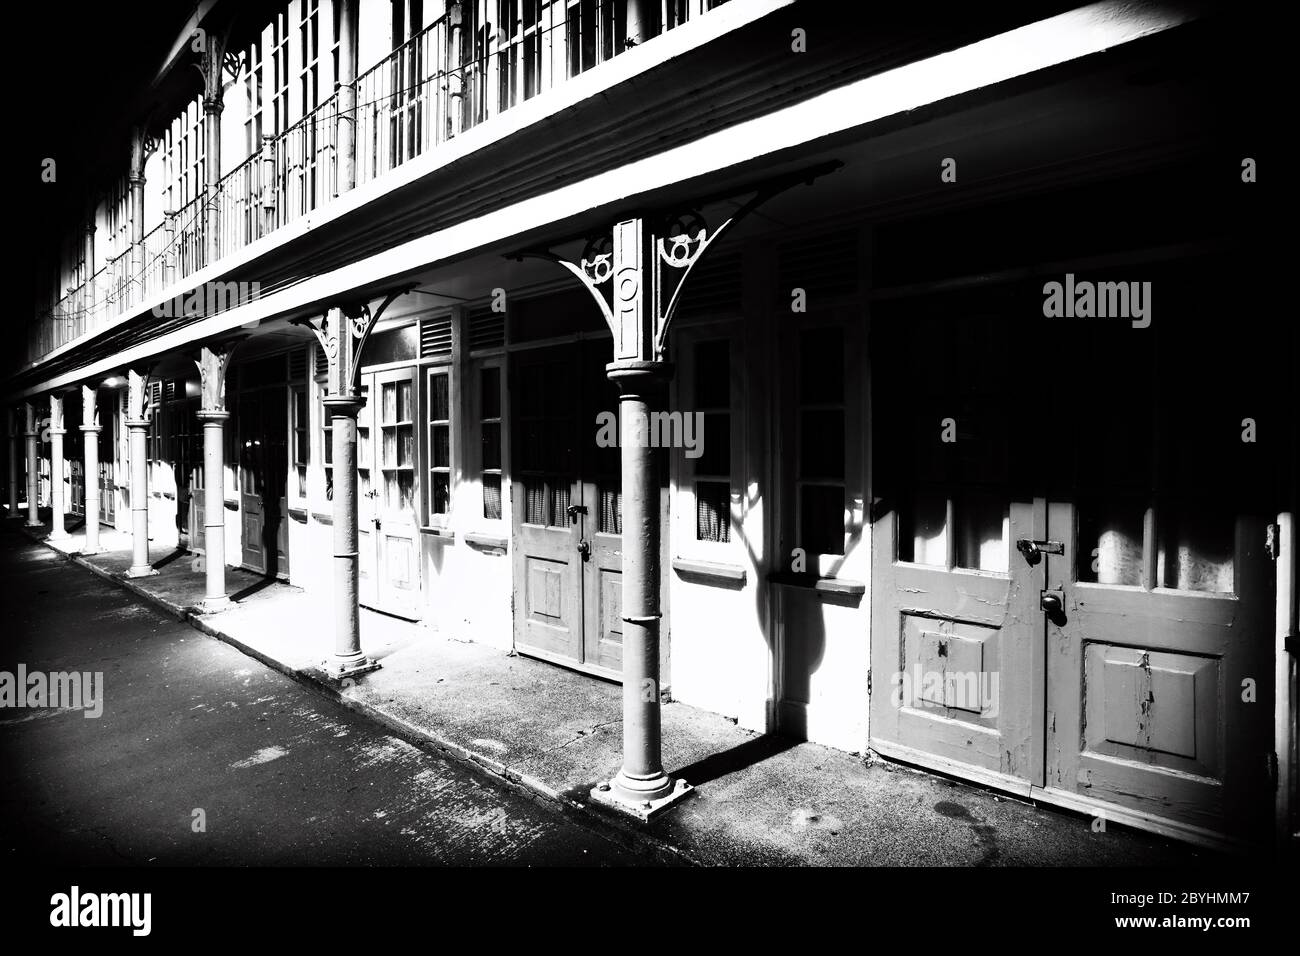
x,y
431,518
683,473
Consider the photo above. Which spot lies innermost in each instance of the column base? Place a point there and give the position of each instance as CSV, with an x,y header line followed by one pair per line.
x,y
214,605
341,668
98,549
56,537
616,795
141,571
34,524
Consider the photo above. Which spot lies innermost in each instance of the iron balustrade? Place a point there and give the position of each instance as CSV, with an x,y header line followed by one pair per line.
x,y
457,73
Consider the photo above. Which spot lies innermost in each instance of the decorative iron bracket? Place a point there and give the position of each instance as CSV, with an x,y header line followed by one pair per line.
x,y
637,271
343,332
213,362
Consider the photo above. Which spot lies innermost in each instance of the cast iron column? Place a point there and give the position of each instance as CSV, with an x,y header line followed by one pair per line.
x,y
214,510
33,436
642,778
14,430
348,658
342,334
58,517
212,363
137,425
90,462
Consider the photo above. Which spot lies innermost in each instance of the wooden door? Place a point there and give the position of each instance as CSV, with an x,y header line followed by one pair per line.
x,y
602,522
367,491
396,526
547,504
252,482
1159,663
957,662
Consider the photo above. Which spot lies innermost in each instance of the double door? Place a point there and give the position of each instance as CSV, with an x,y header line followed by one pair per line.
x,y
387,492
1072,597
567,549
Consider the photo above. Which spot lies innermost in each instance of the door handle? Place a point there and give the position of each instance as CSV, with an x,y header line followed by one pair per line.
x,y
378,524
1034,550
574,510
1053,605
584,549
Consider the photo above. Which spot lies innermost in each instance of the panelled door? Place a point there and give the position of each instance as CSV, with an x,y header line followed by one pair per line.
x,y
957,634
263,473
367,491
392,536
108,443
1072,595
567,524
1159,661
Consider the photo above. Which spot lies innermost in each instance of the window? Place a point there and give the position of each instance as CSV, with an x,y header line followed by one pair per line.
x,y
326,445
280,72
397,445
183,156
439,443
253,91
595,31
298,436
820,475
712,392
490,439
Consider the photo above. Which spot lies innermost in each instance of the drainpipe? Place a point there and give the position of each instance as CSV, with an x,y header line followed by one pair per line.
x,y
90,460
58,515
137,424
346,120
136,181
211,66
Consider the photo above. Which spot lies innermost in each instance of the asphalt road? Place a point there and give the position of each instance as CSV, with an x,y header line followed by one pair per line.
x,y
203,756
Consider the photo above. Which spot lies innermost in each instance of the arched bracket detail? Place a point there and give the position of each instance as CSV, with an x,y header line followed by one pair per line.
x,y
638,272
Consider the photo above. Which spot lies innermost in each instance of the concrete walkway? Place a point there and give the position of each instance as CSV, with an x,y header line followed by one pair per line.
x,y
760,800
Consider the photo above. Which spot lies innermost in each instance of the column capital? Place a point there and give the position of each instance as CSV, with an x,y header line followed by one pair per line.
x,y
344,405
92,428
212,416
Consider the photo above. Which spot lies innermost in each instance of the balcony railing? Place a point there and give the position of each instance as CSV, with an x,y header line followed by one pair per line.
x,y
457,73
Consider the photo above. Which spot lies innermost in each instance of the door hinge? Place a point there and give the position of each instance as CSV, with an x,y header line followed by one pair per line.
x,y
868,682
1271,544
1271,756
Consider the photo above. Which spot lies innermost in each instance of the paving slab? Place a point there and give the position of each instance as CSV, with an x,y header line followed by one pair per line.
x,y
759,799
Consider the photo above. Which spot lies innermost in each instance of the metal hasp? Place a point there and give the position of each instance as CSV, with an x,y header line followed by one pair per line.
x,y
342,333
636,273
1034,550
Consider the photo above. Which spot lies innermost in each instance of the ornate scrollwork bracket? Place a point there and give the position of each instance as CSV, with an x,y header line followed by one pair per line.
x,y
342,333
213,361
637,271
